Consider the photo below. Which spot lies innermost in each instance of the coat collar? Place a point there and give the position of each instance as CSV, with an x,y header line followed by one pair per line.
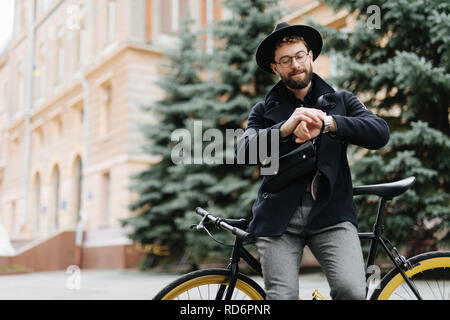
x,y
279,93
280,101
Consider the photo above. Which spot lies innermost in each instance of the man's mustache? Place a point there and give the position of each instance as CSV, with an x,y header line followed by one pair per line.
x,y
297,71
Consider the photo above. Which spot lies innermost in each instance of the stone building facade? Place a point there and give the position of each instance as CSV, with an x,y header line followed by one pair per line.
x,y
72,83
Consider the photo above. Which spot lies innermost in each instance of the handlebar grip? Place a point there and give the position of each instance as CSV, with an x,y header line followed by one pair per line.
x,y
236,231
201,211
241,234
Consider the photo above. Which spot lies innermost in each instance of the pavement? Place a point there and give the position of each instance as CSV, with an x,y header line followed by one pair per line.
x,y
130,284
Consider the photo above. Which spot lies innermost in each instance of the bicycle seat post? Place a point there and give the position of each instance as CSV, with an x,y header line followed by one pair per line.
x,y
377,230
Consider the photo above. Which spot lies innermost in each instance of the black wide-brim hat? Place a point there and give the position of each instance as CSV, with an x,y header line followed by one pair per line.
x,y
264,53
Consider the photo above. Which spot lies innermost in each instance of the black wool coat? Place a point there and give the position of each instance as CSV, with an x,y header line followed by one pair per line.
x,y
334,203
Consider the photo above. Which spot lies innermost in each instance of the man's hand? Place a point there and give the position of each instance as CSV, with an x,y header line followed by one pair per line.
x,y
305,123
307,131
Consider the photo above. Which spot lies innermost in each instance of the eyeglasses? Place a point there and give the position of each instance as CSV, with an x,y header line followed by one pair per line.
x,y
286,61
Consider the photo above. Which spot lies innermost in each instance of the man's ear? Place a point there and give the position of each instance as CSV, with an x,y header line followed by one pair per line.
x,y
273,66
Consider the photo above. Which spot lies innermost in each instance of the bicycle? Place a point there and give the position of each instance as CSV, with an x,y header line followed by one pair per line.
x,y
409,279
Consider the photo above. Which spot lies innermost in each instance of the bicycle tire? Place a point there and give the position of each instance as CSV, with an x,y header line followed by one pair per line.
x,y
425,269
211,278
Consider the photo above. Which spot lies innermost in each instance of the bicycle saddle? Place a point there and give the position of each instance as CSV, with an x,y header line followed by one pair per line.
x,y
386,190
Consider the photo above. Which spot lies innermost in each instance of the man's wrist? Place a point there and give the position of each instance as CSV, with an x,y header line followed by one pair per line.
x,y
283,131
329,125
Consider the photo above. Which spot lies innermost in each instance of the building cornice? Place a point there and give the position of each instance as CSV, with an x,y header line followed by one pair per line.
x,y
313,7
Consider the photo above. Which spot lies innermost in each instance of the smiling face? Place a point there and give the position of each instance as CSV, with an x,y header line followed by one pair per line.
x,y
295,75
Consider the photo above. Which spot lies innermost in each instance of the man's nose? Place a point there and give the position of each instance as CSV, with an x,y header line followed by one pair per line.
x,y
295,63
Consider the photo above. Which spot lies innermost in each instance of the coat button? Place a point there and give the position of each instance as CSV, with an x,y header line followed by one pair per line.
x,y
265,195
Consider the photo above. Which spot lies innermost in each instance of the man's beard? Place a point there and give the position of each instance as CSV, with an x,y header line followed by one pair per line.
x,y
298,83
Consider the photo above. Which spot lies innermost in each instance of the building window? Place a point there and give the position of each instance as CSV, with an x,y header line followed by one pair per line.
x,y
20,89
38,135
56,128
40,71
78,184
60,57
80,51
170,13
22,16
166,16
148,19
78,113
6,95
37,203
105,109
15,156
13,218
111,20
56,187
43,6
106,200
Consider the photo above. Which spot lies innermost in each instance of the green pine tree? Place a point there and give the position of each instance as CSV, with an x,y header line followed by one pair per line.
x,y
401,69
238,85
164,192
220,99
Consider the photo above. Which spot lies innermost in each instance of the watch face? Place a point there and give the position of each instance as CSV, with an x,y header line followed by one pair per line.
x,y
326,125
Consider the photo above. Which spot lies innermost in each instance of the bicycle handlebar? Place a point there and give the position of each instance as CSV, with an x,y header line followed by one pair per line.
x,y
241,234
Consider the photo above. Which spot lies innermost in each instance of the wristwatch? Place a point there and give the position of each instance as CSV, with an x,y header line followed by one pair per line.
x,y
326,124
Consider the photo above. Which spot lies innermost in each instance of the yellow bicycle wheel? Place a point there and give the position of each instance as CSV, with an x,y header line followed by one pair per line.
x,y
430,274
205,284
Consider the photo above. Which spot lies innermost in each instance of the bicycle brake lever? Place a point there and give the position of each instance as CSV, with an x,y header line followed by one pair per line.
x,y
200,226
197,227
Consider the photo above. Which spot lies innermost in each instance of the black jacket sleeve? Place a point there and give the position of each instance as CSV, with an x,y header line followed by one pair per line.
x,y
256,146
360,126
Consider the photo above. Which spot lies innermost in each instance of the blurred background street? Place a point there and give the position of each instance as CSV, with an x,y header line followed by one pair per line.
x,y
92,94
112,285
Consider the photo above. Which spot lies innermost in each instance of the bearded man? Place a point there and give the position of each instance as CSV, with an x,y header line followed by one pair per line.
x,y
316,209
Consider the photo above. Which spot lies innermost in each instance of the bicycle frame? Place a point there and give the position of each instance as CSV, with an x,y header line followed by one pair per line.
x,y
375,237
238,252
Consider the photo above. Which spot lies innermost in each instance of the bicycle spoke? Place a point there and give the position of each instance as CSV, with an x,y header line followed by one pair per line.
x,y
443,293
400,296
209,291
408,292
236,294
438,287
430,284
407,289
212,285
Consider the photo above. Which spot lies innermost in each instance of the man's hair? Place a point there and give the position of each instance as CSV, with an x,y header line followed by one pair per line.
x,y
289,39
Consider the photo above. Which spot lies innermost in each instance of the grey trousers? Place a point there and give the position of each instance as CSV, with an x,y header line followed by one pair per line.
x,y
337,248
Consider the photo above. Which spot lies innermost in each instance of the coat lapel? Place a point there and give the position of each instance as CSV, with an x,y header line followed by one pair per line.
x,y
279,112
279,105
